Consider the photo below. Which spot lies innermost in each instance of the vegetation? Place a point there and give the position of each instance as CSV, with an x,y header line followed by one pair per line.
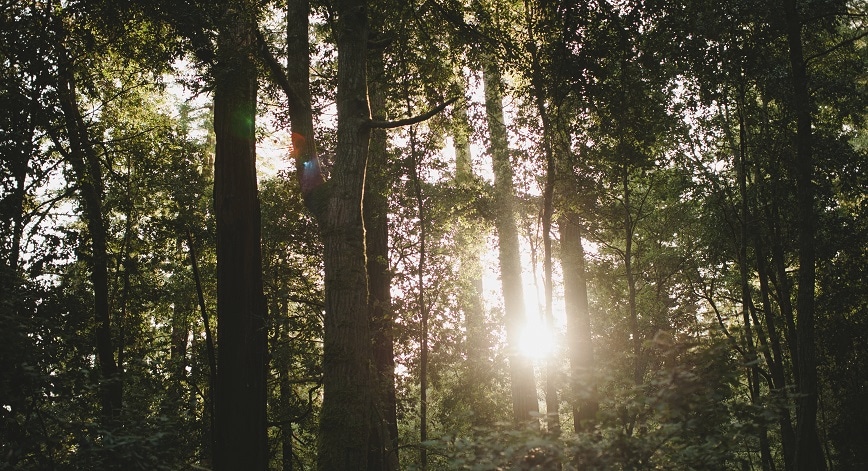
x,y
443,234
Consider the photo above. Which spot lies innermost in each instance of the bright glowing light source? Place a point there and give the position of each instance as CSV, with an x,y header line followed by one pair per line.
x,y
536,340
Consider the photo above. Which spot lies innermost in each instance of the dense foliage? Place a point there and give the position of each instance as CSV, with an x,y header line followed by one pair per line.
x,y
670,195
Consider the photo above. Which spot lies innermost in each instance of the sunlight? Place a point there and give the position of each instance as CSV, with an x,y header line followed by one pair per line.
x,y
536,341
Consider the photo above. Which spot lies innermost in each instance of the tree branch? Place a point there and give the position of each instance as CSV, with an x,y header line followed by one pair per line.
x,y
379,124
278,75
836,47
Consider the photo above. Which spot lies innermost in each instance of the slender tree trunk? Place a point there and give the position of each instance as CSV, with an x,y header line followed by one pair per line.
x,y
88,170
285,393
384,438
809,454
633,313
746,299
421,301
580,349
240,395
539,90
476,345
524,396
776,365
347,380
304,149
210,350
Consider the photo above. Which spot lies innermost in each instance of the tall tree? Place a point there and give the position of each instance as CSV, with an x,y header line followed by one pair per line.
x,y
240,412
809,454
524,397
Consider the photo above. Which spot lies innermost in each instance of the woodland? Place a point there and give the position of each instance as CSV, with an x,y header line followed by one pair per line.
x,y
433,235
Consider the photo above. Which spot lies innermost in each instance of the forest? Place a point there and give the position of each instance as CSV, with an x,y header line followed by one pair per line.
x,y
434,235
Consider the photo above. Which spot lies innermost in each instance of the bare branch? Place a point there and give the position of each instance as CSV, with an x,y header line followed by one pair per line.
x,y
836,47
378,124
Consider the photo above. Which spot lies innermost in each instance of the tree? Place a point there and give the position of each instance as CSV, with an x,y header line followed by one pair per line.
x,y
240,414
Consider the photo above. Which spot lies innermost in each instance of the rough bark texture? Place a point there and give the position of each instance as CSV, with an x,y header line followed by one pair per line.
x,y
240,395
524,396
347,381
809,454
383,452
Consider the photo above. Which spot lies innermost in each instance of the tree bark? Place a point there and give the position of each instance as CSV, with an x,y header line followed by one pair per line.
x,y
524,395
240,395
809,454
347,381
383,452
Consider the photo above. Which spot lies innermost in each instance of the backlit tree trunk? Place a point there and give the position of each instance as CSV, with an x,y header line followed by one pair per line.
x,y
384,441
240,395
524,397
579,345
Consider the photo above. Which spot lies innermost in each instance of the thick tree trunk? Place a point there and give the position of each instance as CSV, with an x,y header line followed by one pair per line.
x,y
809,454
524,395
383,452
347,381
240,395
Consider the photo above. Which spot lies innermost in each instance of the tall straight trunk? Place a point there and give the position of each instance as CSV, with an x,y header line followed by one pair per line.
x,y
746,298
383,452
421,301
633,313
579,347
524,397
240,394
539,90
88,170
776,365
476,343
809,454
347,383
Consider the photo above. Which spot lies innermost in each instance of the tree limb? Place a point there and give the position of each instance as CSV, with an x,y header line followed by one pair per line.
x,y
836,47
380,124
278,75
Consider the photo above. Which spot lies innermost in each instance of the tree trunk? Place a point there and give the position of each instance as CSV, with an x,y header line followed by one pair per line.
x,y
88,170
421,301
809,454
524,396
551,390
240,395
633,313
347,382
745,219
579,346
476,344
383,452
